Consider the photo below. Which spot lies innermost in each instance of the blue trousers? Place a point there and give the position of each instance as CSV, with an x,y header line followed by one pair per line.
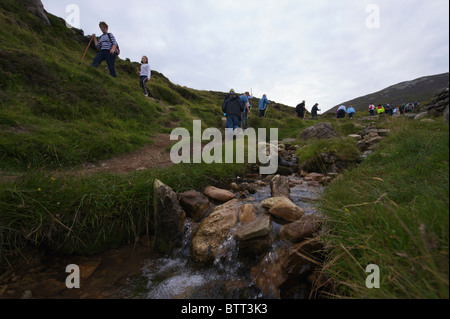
x,y
143,81
110,60
232,121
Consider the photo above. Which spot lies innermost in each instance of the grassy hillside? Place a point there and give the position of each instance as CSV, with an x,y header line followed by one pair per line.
x,y
393,211
419,90
56,111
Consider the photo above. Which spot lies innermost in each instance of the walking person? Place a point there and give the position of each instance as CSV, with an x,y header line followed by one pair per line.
x,y
351,112
245,114
145,74
109,49
372,109
263,103
341,112
233,108
314,111
300,110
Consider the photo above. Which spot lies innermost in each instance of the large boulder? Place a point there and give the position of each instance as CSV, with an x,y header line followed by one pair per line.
x,y
283,208
37,8
279,186
218,194
304,227
260,227
278,271
195,204
213,230
247,213
439,104
319,131
169,217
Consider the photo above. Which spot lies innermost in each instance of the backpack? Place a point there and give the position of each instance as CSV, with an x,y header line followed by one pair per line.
x,y
117,48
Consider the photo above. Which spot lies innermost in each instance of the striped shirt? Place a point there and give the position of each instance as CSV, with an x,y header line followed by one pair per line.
x,y
104,43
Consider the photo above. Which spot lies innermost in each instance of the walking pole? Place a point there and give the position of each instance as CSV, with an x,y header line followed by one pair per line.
x,y
267,109
82,59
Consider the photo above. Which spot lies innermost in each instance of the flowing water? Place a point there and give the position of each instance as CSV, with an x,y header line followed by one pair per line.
x,y
130,272
177,276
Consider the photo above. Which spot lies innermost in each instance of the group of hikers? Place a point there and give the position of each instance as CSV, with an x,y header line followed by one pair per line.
x,y
300,111
237,109
381,109
108,50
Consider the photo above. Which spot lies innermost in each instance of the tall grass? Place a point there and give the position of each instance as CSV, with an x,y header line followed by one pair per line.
x,y
86,215
393,211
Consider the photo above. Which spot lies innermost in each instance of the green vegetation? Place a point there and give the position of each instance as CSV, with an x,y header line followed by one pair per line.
x,y
57,113
86,215
393,211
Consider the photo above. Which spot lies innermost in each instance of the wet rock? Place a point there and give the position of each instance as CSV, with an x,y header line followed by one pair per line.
x,y
281,269
279,186
87,268
284,171
218,194
170,217
296,231
260,227
283,208
247,213
247,187
194,204
234,187
255,246
213,230
314,177
319,131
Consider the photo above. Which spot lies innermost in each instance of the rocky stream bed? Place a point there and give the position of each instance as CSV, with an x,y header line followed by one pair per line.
x,y
257,238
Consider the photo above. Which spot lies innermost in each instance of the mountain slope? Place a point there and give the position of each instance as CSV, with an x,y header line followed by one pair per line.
x,y
56,111
419,90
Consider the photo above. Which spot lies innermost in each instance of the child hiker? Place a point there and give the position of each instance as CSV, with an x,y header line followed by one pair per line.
x,y
145,74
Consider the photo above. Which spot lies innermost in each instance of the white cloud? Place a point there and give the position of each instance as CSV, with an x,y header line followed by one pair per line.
x,y
318,51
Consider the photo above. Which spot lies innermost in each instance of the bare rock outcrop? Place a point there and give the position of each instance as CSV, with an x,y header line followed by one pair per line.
x,y
37,8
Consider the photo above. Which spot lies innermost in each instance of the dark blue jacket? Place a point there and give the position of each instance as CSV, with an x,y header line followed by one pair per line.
x,y
233,106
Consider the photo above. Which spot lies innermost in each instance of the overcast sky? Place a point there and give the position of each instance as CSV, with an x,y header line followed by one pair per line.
x,y
321,51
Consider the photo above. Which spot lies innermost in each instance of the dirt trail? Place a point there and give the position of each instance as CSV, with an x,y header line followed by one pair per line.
x,y
155,155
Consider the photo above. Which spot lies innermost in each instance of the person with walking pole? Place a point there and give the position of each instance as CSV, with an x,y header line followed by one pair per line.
x,y
263,104
109,49
87,48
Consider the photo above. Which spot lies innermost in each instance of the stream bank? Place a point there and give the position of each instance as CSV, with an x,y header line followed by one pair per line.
x,y
141,272
272,259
